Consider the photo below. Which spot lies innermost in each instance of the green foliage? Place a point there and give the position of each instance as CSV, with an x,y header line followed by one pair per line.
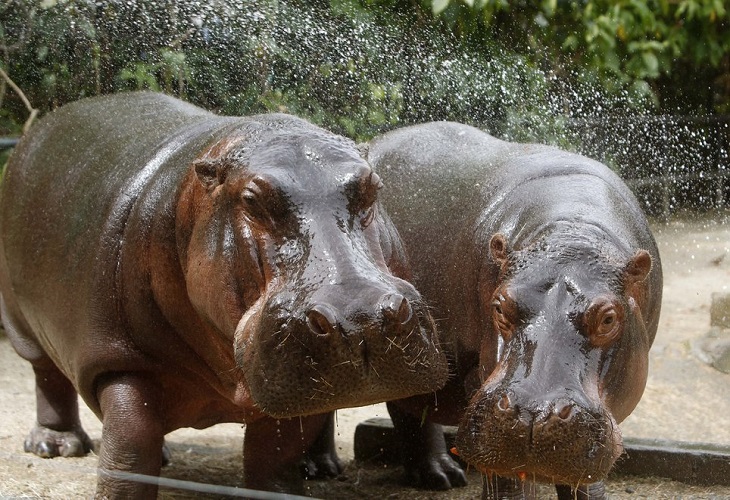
x,y
649,47
359,67
518,69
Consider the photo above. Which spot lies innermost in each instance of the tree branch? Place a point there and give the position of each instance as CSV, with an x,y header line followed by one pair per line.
x,y
33,112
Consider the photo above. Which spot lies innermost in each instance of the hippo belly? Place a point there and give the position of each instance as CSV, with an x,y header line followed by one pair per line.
x,y
547,282
178,268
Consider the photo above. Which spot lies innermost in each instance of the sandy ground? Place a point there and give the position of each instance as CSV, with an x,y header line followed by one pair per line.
x,y
685,400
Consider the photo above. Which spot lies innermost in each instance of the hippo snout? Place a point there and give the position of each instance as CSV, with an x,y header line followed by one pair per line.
x,y
556,437
393,308
303,354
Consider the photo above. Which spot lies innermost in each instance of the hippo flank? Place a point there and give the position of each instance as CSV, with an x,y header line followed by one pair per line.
x,y
179,269
546,284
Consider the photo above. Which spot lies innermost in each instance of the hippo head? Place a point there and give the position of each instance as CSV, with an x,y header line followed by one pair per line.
x,y
294,261
572,355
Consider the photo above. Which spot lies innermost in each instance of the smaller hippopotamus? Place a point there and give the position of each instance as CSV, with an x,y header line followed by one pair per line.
x,y
178,269
546,284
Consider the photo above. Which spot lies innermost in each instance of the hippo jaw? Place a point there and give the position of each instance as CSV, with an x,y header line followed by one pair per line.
x,y
301,364
562,442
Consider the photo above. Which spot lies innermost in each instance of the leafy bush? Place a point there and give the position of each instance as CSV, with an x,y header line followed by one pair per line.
x,y
357,67
521,70
674,52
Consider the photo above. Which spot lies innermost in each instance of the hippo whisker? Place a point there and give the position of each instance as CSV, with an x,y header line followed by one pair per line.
x,y
281,344
420,352
412,363
416,358
391,342
323,392
299,340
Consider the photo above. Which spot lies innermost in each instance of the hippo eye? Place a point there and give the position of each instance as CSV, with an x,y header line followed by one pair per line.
x,y
368,216
263,201
603,322
362,193
251,199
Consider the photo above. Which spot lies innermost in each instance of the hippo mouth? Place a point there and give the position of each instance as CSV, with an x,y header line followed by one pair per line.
x,y
292,371
569,445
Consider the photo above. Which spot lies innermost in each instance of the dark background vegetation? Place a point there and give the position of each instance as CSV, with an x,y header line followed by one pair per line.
x,y
586,75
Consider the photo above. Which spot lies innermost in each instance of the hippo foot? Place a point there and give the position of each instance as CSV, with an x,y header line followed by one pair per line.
x,y
321,466
321,460
423,452
435,472
593,491
48,443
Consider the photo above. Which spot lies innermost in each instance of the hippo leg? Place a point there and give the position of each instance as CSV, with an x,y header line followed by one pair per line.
x,y
132,435
58,431
321,460
273,449
496,487
593,491
423,450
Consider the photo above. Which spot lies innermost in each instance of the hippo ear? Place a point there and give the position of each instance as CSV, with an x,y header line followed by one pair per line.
x,y
638,267
211,173
498,248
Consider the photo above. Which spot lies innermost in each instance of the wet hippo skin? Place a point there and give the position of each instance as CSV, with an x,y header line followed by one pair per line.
x,y
545,283
179,269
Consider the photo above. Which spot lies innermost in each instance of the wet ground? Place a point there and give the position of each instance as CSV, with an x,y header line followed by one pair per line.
x,y
685,400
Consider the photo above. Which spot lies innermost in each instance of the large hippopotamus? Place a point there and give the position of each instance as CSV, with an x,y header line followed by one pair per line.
x,y
546,285
178,269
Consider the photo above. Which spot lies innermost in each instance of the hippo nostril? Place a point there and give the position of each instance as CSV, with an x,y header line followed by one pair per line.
x,y
565,411
504,402
321,320
395,306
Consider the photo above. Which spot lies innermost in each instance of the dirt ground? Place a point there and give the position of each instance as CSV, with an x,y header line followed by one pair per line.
x,y
685,400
